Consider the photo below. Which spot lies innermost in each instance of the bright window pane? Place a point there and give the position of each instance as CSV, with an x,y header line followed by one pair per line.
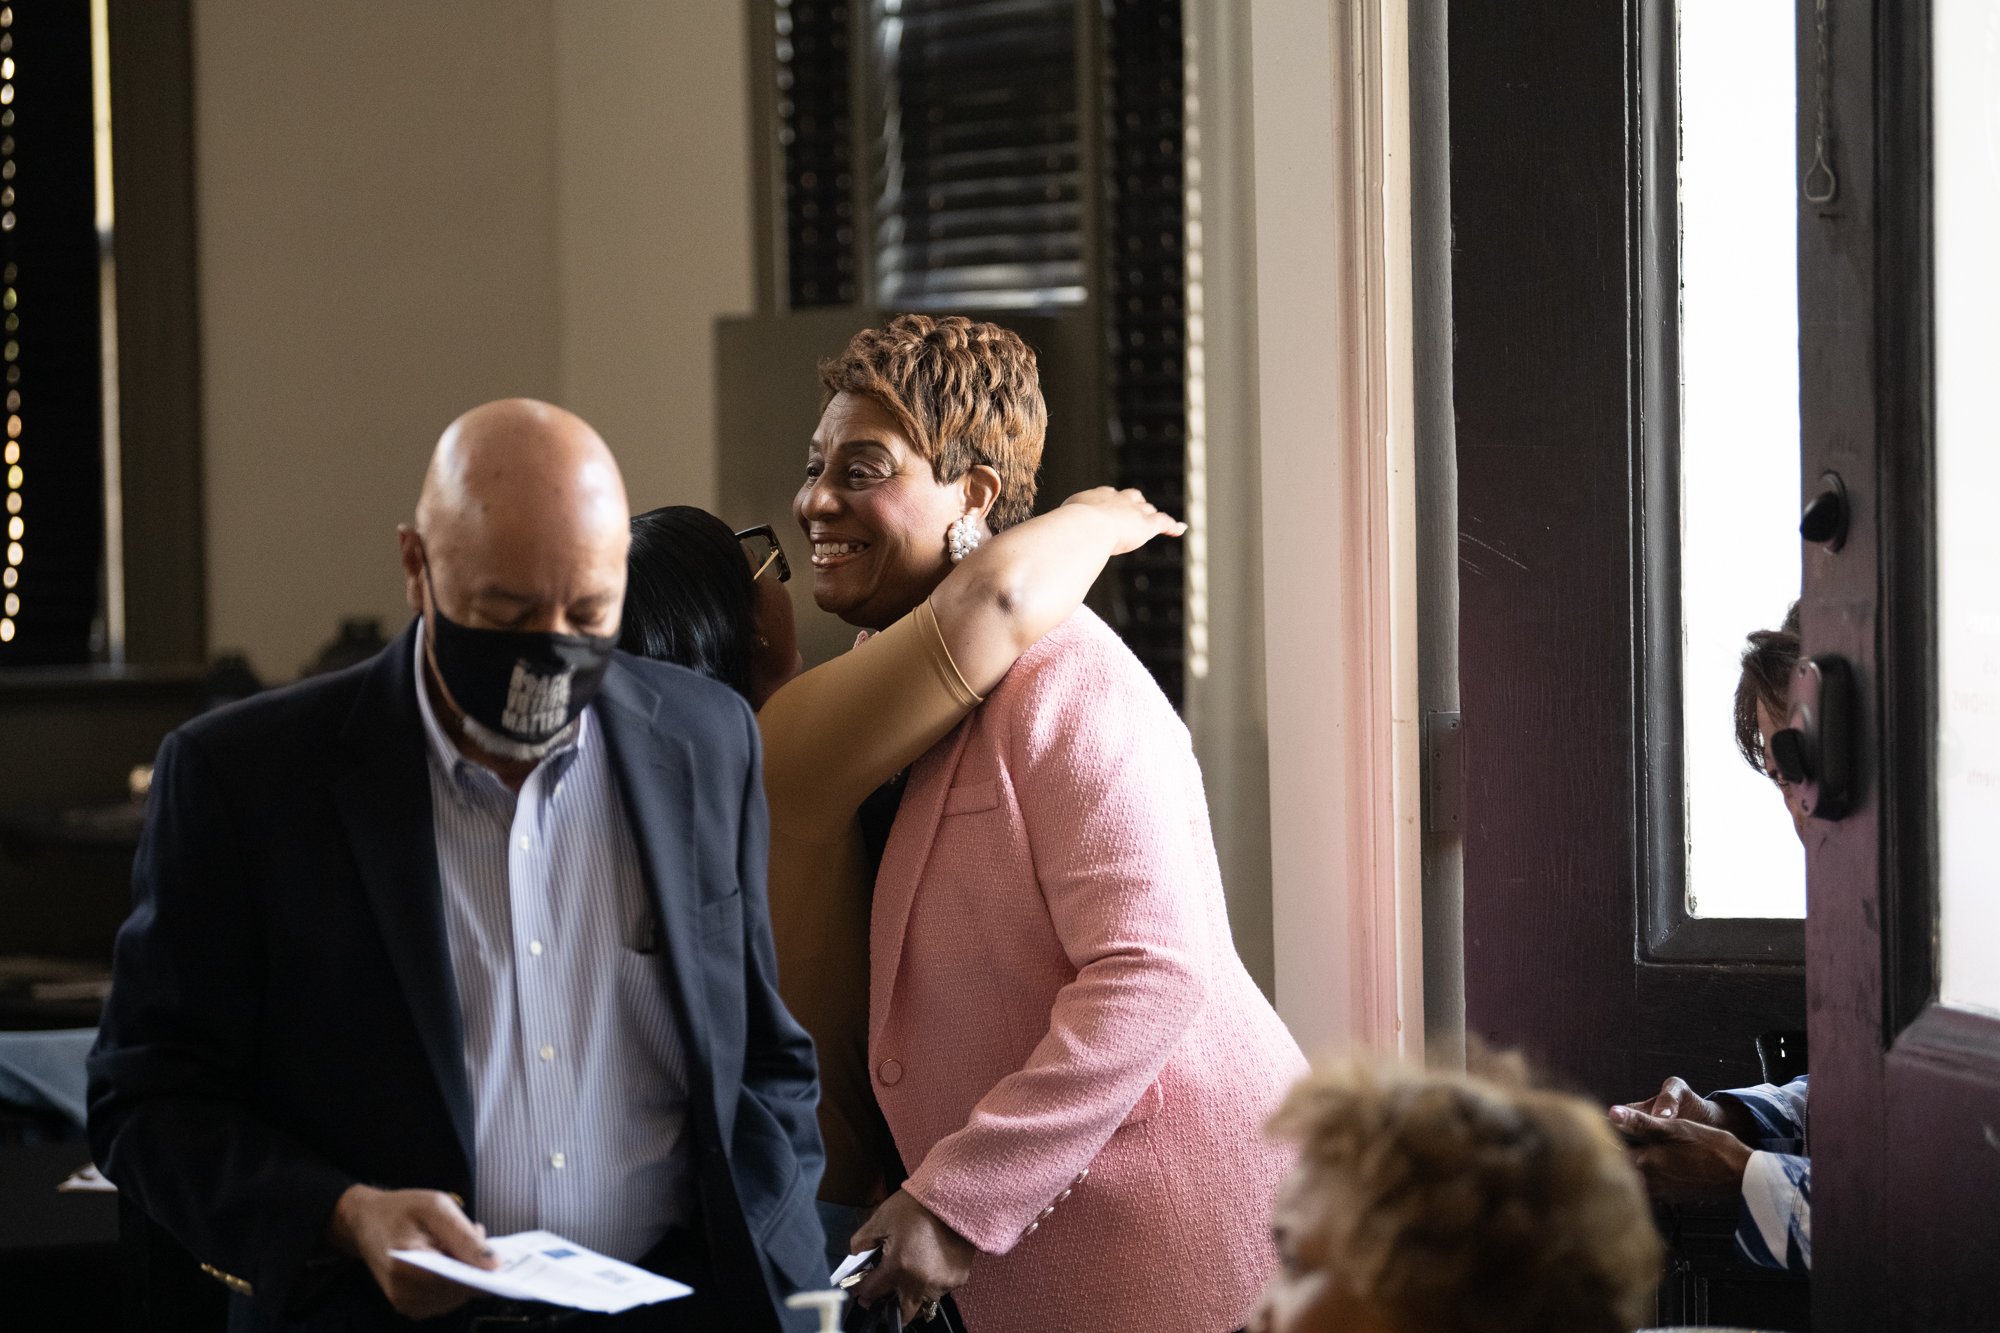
x,y
1739,432
1966,146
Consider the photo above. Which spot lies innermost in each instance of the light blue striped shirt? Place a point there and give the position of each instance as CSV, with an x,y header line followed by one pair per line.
x,y
1775,1228
577,1072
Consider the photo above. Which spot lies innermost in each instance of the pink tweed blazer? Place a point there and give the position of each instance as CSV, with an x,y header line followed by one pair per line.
x,y
1072,1059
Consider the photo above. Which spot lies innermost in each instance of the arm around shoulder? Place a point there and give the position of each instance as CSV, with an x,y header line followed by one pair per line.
x,y
1032,577
842,729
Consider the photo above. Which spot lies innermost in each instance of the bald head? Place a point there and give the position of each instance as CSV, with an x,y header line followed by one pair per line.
x,y
523,522
520,470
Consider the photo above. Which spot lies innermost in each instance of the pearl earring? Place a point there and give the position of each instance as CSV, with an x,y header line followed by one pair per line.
x,y
961,539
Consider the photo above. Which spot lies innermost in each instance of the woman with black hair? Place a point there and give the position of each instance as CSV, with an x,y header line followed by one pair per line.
x,y
690,598
836,735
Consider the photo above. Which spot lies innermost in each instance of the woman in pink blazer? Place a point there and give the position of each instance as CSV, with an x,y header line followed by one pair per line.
x,y
1073,1062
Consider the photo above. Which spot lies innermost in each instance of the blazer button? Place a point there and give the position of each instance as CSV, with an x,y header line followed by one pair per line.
x,y
1033,1227
890,1072
1060,1198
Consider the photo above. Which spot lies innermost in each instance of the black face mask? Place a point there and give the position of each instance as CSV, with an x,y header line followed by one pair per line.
x,y
522,687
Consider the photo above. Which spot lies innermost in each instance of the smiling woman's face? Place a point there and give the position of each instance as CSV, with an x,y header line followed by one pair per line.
x,y
875,515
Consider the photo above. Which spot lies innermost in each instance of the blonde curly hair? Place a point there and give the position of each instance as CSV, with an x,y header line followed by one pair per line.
x,y
964,393
1460,1203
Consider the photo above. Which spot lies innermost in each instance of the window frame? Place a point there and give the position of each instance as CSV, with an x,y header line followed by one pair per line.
x,y
1668,932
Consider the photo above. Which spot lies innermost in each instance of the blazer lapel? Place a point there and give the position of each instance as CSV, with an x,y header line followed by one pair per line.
x,y
655,775
384,794
903,860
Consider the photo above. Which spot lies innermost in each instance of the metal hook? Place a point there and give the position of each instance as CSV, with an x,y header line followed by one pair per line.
x,y
1821,185
1820,172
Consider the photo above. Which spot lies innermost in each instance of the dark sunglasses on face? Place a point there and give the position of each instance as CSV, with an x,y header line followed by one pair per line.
x,y
762,540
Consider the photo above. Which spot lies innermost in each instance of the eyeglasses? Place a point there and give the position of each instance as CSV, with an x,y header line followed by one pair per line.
x,y
763,540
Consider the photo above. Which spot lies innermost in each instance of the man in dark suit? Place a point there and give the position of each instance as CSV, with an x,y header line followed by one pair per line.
x,y
475,930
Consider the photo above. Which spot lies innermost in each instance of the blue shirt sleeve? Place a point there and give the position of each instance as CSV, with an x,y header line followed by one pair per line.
x,y
1775,1226
1774,1229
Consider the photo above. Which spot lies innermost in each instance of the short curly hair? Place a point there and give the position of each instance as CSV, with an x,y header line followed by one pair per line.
x,y
1474,1204
965,394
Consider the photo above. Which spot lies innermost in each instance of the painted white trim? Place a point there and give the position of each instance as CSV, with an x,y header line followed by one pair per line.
x,y
1330,145
1224,707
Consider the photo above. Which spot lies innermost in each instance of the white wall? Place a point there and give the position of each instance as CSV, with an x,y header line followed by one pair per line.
x,y
1335,402
1225,708
407,209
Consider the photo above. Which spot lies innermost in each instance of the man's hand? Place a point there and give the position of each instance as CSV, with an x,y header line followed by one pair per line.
x,y
1682,1158
368,1223
1677,1101
922,1258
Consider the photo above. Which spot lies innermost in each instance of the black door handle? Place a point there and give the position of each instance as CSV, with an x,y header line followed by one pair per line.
x,y
1825,518
1820,752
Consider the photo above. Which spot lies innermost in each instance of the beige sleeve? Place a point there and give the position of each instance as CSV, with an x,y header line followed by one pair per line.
x,y
839,731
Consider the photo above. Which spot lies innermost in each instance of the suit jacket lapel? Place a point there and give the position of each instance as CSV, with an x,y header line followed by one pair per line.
x,y
384,793
903,861
655,776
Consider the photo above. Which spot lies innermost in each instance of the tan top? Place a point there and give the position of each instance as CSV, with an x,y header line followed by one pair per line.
x,y
831,737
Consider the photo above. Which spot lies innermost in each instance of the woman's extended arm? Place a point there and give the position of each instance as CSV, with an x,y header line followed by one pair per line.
x,y
1023,583
840,730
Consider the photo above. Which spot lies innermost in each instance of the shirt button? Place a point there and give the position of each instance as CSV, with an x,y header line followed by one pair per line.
x,y
525,843
890,1072
535,948
558,1161
548,1053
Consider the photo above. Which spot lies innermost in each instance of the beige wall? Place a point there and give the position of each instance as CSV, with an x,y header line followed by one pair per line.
x,y
653,227
406,209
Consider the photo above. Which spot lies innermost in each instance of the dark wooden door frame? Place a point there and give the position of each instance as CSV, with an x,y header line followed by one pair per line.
x,y
1549,364
1906,1093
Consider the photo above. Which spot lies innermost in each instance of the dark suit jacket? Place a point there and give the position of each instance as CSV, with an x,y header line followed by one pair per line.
x,y
284,1022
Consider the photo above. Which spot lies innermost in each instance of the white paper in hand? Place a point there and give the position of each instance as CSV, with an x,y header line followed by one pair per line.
x,y
851,1265
542,1266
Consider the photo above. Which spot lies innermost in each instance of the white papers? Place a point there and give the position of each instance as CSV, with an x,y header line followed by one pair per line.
x,y
542,1266
851,1265
87,1181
